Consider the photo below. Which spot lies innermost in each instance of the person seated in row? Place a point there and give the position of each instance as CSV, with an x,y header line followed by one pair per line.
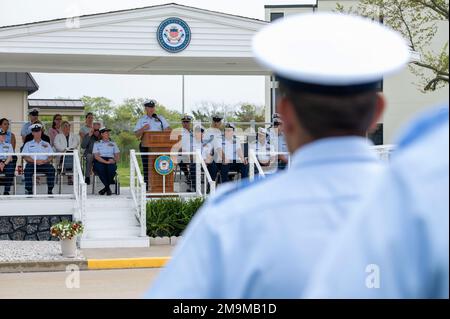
x,y
263,149
29,137
278,141
66,142
7,165
87,144
106,155
233,155
214,134
205,147
43,162
10,137
186,142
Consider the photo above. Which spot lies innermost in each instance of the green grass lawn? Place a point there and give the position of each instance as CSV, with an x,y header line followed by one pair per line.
x,y
124,176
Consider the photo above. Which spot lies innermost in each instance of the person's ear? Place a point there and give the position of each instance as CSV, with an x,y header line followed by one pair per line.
x,y
380,106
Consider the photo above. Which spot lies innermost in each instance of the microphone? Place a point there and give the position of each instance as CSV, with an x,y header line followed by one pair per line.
x,y
158,119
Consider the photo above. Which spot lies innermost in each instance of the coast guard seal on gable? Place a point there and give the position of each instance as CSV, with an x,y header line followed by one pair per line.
x,y
174,35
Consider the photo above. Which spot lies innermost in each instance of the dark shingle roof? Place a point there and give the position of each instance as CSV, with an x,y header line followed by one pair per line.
x,y
18,81
55,104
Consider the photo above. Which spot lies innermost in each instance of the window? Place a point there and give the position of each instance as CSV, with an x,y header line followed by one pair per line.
x,y
276,15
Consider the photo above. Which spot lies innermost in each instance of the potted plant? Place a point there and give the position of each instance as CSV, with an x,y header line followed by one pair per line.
x,y
67,233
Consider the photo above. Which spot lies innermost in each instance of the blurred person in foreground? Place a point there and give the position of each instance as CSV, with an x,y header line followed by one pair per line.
x,y
397,245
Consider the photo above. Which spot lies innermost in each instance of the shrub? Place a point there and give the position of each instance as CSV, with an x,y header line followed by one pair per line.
x,y
170,216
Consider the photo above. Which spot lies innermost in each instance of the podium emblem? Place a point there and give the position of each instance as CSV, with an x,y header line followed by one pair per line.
x,y
174,35
164,165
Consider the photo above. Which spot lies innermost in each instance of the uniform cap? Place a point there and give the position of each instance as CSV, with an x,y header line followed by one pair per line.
x,y
104,129
150,103
36,127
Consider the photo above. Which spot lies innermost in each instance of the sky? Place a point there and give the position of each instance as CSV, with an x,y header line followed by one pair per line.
x,y
165,89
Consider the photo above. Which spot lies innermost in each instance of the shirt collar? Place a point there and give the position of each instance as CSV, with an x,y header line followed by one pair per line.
x,y
335,149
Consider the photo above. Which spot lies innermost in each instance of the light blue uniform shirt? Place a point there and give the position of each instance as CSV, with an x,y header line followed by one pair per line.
x,y
105,149
5,148
35,147
8,137
398,247
262,240
155,125
25,129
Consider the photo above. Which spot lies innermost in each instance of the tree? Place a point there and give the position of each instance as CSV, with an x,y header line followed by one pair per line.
x,y
101,107
249,112
418,21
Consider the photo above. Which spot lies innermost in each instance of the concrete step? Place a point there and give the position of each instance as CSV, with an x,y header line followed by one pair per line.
x,y
127,231
123,242
102,203
101,224
109,214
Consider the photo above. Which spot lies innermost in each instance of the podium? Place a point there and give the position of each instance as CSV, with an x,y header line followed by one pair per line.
x,y
159,142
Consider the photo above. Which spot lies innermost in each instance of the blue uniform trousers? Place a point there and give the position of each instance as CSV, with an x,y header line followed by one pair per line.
x,y
105,172
46,169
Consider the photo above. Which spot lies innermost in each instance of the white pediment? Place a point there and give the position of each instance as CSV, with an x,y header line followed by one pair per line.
x,y
129,38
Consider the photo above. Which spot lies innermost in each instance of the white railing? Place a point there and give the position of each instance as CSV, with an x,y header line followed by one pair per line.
x,y
200,164
79,187
207,180
253,162
138,190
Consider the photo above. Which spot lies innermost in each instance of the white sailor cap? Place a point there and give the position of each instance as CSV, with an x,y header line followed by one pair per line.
x,y
230,125
36,127
149,103
330,52
104,129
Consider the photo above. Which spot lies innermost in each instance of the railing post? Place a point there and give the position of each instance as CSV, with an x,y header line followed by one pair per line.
x,y
198,172
132,169
251,164
143,212
34,176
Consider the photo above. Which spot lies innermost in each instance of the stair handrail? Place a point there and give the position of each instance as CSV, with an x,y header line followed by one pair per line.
x,y
138,190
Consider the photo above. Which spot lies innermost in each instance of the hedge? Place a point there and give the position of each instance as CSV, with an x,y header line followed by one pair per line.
x,y
170,216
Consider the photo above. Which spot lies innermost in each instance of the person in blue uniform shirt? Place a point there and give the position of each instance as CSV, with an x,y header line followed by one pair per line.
x,y
33,116
233,155
150,122
263,239
43,162
7,164
214,135
187,138
398,245
106,155
279,143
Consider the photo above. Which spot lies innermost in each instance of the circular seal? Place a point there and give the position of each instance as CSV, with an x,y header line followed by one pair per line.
x,y
164,165
174,35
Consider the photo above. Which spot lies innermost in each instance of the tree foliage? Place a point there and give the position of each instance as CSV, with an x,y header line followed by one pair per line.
x,y
419,22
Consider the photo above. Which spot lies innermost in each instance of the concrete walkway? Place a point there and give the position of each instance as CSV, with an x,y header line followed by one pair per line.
x,y
87,259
